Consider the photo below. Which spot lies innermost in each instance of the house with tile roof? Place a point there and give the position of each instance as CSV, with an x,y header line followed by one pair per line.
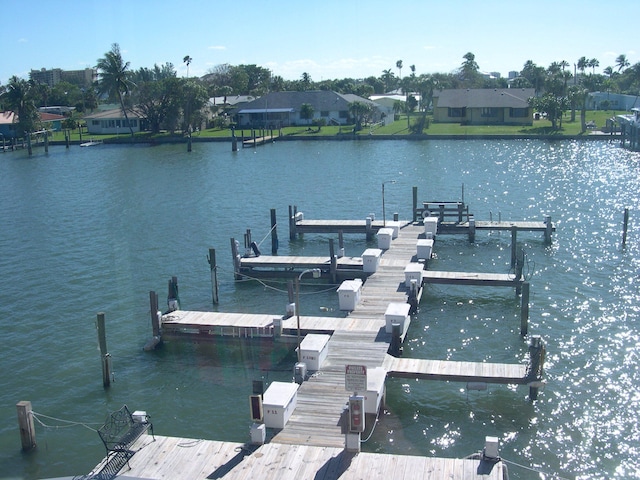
x,y
48,121
283,109
483,106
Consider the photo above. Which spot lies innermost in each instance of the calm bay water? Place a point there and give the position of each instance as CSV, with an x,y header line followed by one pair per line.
x,y
90,230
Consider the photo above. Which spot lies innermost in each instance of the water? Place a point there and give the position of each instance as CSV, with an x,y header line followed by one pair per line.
x,y
91,230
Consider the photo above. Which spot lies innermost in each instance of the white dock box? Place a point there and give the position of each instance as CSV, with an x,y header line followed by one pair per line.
x,y
413,271
313,350
397,313
349,294
371,260
424,248
279,402
384,238
395,226
375,389
430,226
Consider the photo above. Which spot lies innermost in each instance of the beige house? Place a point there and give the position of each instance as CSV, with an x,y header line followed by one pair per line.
x,y
483,106
114,121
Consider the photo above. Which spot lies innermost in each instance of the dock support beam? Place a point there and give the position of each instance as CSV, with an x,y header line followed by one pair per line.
x,y
214,275
274,233
104,354
548,230
625,226
524,309
25,423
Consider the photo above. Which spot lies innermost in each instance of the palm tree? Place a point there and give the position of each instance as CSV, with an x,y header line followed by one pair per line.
x,y
622,62
18,97
593,63
187,59
114,78
387,79
399,67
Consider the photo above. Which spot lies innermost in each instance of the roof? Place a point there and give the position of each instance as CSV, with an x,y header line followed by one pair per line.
x,y
320,100
50,117
8,117
114,113
266,110
484,97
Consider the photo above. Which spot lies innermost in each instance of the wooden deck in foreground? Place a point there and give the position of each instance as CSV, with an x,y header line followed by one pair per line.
x,y
196,459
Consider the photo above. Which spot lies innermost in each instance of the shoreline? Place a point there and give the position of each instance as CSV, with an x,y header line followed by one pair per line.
x,y
343,138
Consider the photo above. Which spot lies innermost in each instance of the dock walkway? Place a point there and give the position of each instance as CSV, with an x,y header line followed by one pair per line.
x,y
197,459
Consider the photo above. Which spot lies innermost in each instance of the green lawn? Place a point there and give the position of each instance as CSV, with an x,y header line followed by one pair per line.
x,y
399,128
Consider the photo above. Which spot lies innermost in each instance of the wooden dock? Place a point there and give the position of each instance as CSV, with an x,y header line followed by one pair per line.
x,y
256,141
471,278
197,459
291,266
510,374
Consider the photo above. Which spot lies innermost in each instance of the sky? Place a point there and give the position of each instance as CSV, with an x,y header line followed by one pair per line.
x,y
326,39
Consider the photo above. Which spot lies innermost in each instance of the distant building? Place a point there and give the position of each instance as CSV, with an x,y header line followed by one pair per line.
x,y
612,101
54,76
282,109
483,106
114,121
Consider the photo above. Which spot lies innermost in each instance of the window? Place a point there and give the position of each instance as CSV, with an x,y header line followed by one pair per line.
x,y
344,114
457,112
324,113
518,112
489,112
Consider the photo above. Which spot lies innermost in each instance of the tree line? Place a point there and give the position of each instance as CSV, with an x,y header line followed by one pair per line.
x,y
173,103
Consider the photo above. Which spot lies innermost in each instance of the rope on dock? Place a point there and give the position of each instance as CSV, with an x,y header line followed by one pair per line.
x,y
69,423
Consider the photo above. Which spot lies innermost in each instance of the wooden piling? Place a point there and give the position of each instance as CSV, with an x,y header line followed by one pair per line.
x,y
514,238
214,275
292,224
340,243
369,228
415,204
548,229
625,226
155,321
536,366
173,298
524,309
189,143
274,233
46,142
29,149
334,264
67,138
236,259
472,229
26,425
104,354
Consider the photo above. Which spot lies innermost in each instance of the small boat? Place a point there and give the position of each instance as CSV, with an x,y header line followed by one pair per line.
x,y
91,143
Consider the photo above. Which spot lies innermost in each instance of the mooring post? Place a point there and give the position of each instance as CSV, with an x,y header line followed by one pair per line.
x,y
29,149
396,340
234,140
274,233
340,243
524,309
26,425
625,226
155,323
189,142
536,365
104,354
46,142
415,204
214,274
173,298
236,259
472,229
548,229
334,262
514,237
369,227
292,224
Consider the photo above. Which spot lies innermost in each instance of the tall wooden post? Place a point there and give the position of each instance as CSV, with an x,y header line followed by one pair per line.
x,y
214,275
369,227
67,138
548,229
334,263
472,229
340,243
234,140
26,425
625,226
415,204
514,237
29,149
46,142
156,339
524,309
104,354
274,233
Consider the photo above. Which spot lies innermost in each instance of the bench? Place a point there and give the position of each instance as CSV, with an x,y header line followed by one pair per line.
x,y
121,430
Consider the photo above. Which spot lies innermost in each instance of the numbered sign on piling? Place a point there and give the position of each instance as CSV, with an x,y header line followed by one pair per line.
x,y
355,378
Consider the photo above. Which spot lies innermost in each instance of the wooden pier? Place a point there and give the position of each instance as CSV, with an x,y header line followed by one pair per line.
x,y
197,459
360,337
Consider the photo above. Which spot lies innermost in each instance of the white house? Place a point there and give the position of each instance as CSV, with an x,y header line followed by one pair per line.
x,y
113,121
